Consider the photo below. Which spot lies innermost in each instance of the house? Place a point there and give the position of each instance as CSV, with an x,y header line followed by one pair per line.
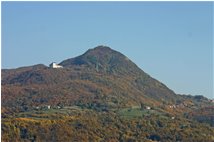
x,y
37,108
55,65
148,107
48,107
172,106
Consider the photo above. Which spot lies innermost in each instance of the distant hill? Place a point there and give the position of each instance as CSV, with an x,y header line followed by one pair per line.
x,y
101,80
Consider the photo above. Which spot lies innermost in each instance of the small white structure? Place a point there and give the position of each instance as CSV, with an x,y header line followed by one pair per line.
x,y
172,106
37,108
48,107
55,65
148,107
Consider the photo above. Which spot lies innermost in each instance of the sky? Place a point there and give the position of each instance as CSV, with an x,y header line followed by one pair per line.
x,y
171,41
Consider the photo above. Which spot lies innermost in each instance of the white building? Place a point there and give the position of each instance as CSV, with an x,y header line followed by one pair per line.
x,y
148,107
55,65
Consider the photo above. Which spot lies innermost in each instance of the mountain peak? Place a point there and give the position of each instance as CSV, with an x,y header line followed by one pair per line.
x,y
102,47
102,59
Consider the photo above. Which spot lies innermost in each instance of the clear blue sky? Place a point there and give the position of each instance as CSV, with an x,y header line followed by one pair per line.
x,y
171,41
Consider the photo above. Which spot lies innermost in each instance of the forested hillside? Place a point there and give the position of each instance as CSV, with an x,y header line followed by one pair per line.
x,y
99,96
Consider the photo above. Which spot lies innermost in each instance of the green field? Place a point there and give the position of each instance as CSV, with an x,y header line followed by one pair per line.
x,y
49,113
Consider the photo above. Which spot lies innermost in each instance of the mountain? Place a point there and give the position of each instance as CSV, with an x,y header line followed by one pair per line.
x,y
102,82
99,72
103,59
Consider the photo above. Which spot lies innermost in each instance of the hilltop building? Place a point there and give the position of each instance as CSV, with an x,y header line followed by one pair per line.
x,y
55,65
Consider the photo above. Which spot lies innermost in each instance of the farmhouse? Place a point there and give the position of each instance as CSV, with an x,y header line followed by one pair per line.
x,y
55,65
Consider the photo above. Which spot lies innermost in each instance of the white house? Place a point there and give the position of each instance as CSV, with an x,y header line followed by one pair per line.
x,y
172,106
148,107
55,65
37,108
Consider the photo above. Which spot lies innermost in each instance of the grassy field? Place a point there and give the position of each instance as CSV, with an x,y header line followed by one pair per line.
x,y
49,113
